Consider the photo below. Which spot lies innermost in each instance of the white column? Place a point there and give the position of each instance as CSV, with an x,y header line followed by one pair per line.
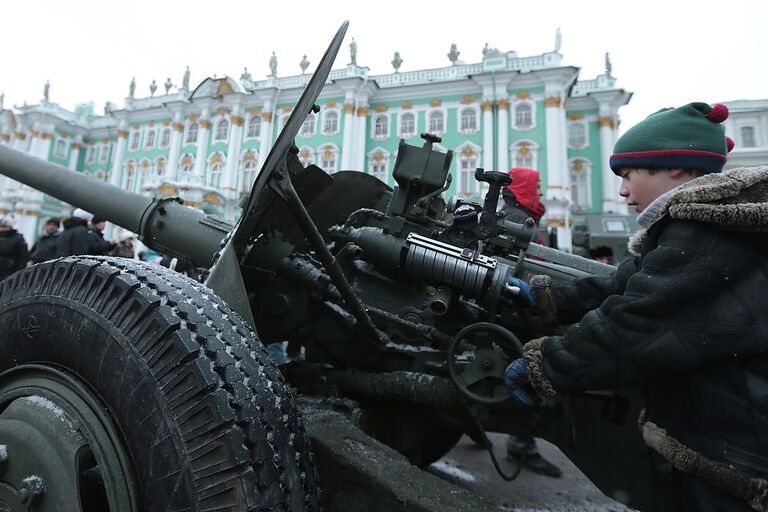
x,y
28,209
347,145
116,175
74,154
177,132
233,154
265,140
487,107
357,162
202,148
557,191
610,198
503,151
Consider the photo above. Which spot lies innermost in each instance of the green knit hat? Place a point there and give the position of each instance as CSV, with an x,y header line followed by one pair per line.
x,y
689,137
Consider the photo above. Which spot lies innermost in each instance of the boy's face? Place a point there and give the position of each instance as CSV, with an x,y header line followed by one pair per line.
x,y
641,188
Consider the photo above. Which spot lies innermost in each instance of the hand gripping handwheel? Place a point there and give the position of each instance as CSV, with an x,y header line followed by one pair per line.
x,y
486,349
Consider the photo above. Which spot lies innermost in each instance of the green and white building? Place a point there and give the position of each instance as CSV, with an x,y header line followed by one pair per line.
x,y
206,144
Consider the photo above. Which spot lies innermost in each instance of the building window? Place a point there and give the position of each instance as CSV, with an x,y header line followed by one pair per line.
x,y
283,120
305,156
165,138
468,120
104,153
748,137
328,159
308,126
250,162
524,153
61,149
129,172
407,125
254,127
577,135
89,154
469,156
378,164
192,133
160,165
135,137
580,177
381,127
145,171
216,169
436,122
149,141
523,116
222,130
331,122
187,163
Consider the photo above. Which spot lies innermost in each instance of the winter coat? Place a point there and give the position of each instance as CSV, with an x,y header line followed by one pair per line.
x,y
45,248
13,253
122,251
521,198
75,239
688,318
97,246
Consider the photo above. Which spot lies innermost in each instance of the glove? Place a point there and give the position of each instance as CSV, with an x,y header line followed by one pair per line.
x,y
516,382
519,292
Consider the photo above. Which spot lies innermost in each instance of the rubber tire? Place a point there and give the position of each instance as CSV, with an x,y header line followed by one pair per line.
x,y
205,416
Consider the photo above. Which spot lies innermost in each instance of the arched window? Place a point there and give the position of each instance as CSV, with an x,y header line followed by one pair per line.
x,y
187,163
407,125
378,164
216,170
381,126
61,149
577,135
145,171
436,122
135,136
250,162
222,130
468,120
748,136
331,122
160,166
165,138
523,116
149,142
89,154
469,157
305,156
192,133
254,127
328,159
104,153
524,154
579,170
308,126
129,175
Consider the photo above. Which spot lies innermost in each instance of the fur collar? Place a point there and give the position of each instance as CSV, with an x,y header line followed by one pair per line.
x,y
736,200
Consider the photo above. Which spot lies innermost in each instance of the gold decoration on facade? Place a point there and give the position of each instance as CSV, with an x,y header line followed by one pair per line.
x,y
151,124
224,87
552,101
205,124
436,102
523,95
287,109
20,136
249,156
578,116
362,111
122,133
327,152
104,140
64,135
216,159
577,166
178,127
407,105
192,204
212,198
468,100
193,118
378,156
330,104
76,145
34,133
145,165
46,136
267,117
503,104
166,123
221,111
381,108
558,221
5,137
487,105
254,110
349,108
305,154
523,149
166,190
135,126
237,120
468,151
186,160
605,121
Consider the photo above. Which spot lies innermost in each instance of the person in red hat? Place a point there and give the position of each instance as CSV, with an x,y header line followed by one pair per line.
x,y
521,197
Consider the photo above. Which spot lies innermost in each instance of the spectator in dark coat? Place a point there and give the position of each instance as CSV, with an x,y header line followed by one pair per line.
x,y
124,249
97,245
687,317
45,247
13,248
75,240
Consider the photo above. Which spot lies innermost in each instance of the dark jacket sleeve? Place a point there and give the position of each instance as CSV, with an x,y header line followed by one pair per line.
x,y
680,312
97,244
22,254
573,300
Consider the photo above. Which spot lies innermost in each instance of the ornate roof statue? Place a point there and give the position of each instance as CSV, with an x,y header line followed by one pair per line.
x,y
490,52
2,99
185,80
558,40
152,88
46,90
132,88
246,76
453,55
353,53
608,66
304,64
397,61
273,64
168,84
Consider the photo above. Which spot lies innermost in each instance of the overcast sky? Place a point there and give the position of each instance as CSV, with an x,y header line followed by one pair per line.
x,y
666,52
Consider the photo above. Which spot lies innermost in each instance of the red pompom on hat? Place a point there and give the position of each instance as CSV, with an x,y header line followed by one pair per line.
x,y
718,114
729,143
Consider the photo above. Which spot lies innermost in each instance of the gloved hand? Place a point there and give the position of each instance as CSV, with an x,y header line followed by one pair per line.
x,y
516,382
519,292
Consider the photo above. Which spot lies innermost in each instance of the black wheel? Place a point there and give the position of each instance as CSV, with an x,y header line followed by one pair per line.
x,y
152,392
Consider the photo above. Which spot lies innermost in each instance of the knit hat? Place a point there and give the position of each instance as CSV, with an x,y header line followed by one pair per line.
x,y
53,220
97,220
689,137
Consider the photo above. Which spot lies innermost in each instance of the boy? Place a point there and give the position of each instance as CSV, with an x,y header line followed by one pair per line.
x,y
687,316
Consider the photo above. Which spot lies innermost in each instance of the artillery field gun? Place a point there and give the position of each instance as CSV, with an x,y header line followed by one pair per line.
x,y
126,386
